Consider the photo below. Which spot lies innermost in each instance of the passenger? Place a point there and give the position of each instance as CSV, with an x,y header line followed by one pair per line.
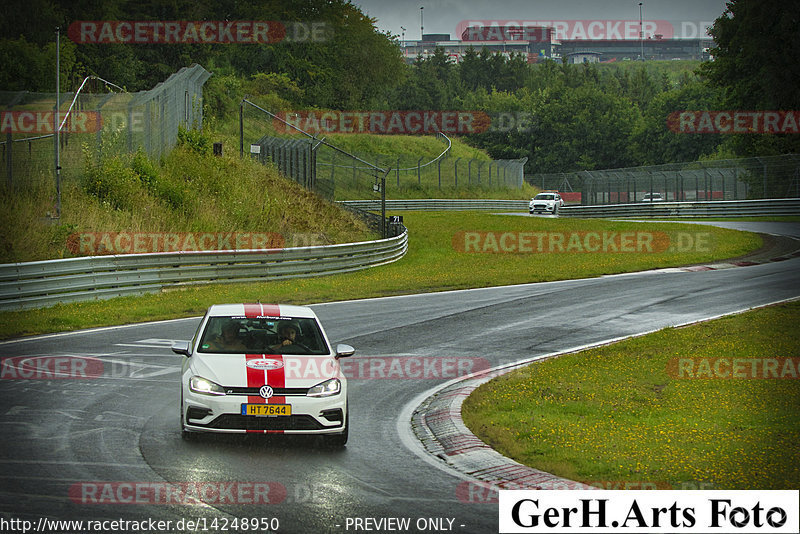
x,y
229,341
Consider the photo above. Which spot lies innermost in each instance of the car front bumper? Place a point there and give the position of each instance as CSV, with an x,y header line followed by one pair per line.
x,y
310,415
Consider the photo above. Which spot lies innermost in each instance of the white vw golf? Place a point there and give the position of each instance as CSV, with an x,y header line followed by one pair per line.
x,y
263,368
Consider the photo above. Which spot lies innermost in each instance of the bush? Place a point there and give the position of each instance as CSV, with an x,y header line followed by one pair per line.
x,y
194,140
149,175
113,182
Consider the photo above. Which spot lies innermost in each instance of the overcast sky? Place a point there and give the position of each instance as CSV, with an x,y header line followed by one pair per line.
x,y
443,16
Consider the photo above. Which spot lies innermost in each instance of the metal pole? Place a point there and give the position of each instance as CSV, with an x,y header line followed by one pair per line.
x,y
641,30
58,122
241,129
9,163
383,204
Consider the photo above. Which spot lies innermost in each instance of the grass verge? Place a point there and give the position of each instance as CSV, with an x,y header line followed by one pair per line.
x,y
434,262
626,413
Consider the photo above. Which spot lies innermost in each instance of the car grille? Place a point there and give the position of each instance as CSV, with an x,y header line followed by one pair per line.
x,y
253,391
539,206
247,422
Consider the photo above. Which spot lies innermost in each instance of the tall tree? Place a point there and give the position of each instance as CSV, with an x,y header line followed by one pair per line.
x,y
755,64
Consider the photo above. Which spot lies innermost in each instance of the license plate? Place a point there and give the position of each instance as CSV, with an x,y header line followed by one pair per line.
x,y
267,410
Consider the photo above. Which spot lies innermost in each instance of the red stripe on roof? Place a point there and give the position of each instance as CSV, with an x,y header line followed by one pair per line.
x,y
261,310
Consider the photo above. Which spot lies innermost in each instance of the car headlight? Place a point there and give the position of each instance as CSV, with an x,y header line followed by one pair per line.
x,y
200,385
326,389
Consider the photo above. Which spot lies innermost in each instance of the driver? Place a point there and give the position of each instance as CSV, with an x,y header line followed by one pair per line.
x,y
287,333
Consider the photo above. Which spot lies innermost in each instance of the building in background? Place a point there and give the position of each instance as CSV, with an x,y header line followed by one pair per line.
x,y
540,43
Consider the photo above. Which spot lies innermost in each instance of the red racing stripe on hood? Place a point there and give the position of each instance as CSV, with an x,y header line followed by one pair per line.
x,y
265,369
255,377
277,379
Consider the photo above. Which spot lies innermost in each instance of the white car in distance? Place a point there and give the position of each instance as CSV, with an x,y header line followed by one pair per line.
x,y
545,202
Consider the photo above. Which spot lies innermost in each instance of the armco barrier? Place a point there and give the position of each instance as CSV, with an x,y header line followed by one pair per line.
x,y
714,208
431,204
43,283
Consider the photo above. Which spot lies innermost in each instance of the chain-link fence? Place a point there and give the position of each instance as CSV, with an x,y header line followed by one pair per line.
x,y
101,122
405,171
730,179
343,175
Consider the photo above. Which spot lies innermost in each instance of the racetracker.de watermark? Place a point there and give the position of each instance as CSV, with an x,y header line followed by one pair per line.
x,y
414,122
99,243
51,368
570,30
471,492
581,242
734,122
177,493
44,122
412,367
196,32
722,368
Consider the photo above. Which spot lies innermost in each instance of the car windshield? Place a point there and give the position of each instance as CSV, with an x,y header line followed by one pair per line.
x,y
544,197
263,335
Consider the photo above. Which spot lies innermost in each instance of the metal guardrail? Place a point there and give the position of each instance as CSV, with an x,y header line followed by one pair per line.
x,y
43,283
438,204
714,208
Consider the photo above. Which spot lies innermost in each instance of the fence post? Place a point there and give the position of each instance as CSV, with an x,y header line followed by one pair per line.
x,y
419,171
455,167
8,149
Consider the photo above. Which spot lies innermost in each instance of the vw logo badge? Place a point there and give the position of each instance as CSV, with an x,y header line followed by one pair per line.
x,y
265,392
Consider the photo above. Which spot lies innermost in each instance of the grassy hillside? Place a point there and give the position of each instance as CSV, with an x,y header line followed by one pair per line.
x,y
190,190
464,172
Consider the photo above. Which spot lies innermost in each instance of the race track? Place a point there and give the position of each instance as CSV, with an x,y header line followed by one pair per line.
x,y
69,443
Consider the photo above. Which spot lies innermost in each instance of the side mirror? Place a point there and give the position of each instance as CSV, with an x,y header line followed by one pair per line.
x,y
343,351
181,347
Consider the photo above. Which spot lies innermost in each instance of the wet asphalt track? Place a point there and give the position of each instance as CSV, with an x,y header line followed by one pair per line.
x,y
58,437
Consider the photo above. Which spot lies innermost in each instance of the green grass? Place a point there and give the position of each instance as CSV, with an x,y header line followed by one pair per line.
x,y
615,414
433,263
